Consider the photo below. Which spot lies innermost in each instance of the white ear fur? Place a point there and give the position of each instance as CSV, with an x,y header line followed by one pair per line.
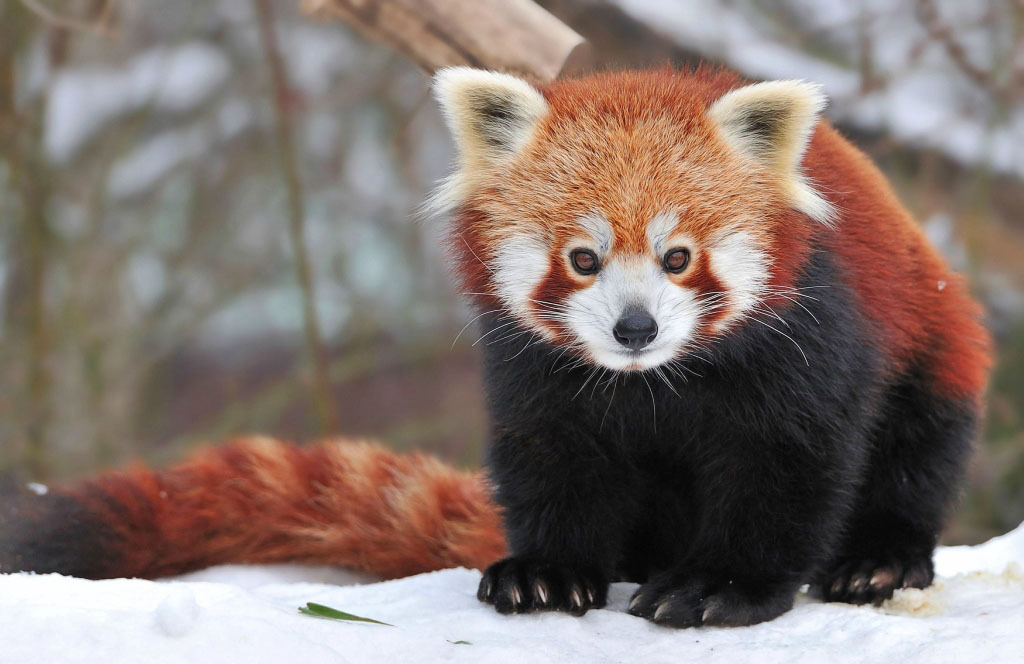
x,y
490,115
772,122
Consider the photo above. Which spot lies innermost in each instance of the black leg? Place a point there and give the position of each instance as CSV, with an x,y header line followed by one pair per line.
x,y
918,457
567,506
770,511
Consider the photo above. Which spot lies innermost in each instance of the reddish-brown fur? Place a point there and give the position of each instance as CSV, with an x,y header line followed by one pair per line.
x,y
664,154
259,500
922,310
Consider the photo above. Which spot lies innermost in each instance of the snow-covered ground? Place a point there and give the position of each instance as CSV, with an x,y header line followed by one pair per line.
x,y
974,613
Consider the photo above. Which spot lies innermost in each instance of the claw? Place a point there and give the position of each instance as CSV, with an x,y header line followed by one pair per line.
x,y
484,594
540,591
883,578
516,596
858,583
837,586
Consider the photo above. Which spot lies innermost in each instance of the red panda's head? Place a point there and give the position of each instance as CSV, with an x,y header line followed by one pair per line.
x,y
630,217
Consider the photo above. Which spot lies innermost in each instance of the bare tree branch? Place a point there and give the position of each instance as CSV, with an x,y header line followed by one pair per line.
x,y
297,216
102,25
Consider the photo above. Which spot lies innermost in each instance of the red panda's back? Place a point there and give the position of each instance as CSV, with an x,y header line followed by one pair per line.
x,y
924,317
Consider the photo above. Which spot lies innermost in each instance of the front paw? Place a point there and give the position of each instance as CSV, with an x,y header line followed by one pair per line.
x,y
522,585
692,600
872,581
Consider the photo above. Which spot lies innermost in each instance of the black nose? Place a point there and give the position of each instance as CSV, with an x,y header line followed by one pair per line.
x,y
634,331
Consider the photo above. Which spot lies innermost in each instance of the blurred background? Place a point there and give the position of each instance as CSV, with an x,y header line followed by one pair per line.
x,y
207,213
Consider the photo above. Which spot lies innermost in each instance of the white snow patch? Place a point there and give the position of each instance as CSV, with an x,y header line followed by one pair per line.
x,y
926,100
84,100
178,612
249,614
992,556
251,577
149,163
147,277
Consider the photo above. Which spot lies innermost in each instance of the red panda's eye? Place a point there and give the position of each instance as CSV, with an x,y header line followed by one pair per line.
x,y
676,260
584,261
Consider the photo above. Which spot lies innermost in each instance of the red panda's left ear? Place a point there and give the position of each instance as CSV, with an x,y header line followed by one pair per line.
x,y
772,122
490,115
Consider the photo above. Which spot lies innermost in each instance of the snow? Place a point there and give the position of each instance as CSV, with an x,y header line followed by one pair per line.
x,y
148,163
37,488
973,613
925,100
178,612
83,100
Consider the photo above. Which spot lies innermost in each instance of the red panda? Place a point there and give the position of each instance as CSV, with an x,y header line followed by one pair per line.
x,y
721,361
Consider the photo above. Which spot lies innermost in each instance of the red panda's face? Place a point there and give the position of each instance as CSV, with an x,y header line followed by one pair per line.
x,y
625,218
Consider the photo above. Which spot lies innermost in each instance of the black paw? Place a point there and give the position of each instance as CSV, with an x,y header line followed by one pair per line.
x,y
522,585
867,581
692,600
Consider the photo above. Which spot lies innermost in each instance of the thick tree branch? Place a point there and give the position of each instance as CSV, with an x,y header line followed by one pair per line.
x,y
515,36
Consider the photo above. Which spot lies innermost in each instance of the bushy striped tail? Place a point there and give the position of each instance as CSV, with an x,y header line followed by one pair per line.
x,y
257,500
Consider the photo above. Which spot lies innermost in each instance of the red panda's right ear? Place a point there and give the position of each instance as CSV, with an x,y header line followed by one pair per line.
x,y
490,115
772,123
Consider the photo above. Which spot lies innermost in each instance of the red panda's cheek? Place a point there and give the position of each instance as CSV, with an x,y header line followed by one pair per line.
x,y
700,277
737,266
707,290
519,264
549,297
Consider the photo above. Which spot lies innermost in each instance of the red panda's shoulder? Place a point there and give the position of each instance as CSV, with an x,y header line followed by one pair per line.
x,y
924,317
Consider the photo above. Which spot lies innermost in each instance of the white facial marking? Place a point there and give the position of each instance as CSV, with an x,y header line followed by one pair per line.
x,y
742,268
519,265
659,229
632,283
600,232
625,283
